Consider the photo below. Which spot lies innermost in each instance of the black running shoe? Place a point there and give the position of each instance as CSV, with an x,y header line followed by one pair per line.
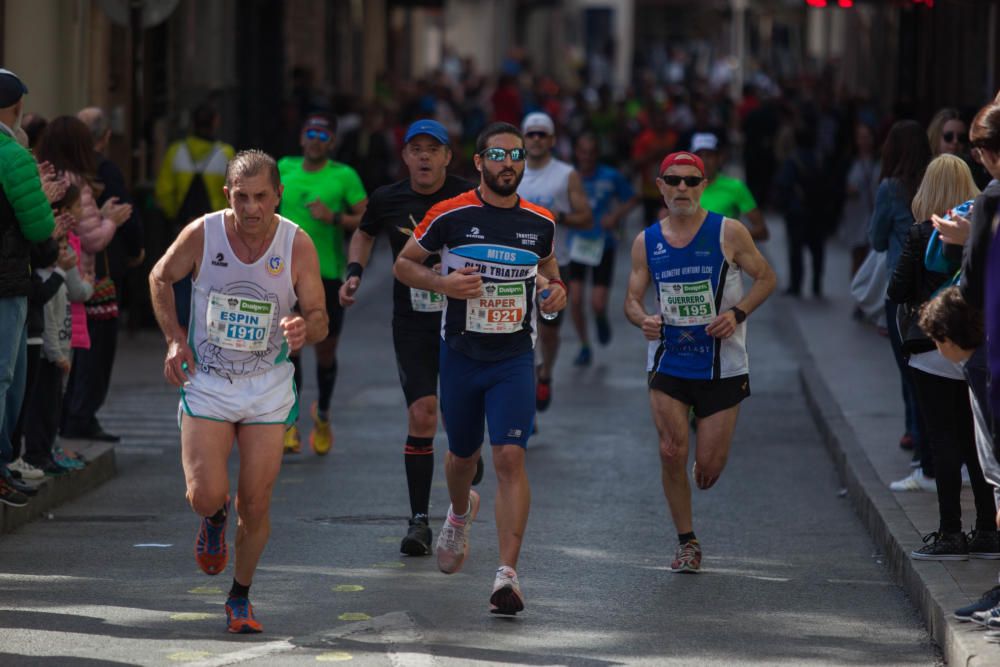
x,y
603,329
943,546
984,544
990,599
479,472
418,538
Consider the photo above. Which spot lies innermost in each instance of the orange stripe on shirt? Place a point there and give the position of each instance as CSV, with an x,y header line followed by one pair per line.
x,y
540,210
463,200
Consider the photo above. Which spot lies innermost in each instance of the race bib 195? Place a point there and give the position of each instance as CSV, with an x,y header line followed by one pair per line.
x,y
687,304
238,323
500,308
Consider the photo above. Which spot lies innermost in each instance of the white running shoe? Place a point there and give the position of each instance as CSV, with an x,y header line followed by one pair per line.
x,y
915,481
26,470
453,540
506,598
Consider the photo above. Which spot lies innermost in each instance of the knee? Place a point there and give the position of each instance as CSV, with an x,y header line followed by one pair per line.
x,y
423,416
576,296
508,461
253,509
204,500
673,454
710,465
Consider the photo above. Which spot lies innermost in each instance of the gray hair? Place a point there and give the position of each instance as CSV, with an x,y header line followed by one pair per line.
x,y
96,121
252,162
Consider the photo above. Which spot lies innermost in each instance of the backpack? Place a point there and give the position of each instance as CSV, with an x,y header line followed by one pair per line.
x,y
196,200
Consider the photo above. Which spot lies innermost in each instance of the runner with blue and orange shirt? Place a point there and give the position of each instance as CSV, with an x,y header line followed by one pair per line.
x,y
496,253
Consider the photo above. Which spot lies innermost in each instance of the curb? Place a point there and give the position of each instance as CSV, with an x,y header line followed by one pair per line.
x,y
55,491
931,588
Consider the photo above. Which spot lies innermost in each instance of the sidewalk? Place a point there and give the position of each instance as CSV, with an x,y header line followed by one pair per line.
x,y
852,386
141,412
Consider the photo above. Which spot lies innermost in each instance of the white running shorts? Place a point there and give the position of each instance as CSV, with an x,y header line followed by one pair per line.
x,y
268,398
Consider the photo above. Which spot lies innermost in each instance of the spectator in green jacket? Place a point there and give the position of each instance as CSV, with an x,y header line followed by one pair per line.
x,y
25,218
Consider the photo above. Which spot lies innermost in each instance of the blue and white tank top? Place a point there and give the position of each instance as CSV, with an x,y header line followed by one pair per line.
x,y
236,308
694,284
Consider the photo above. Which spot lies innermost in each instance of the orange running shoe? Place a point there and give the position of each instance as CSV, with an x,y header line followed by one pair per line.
x,y
210,549
239,617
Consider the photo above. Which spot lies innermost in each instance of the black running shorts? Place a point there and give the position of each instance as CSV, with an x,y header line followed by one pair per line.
x,y
418,354
600,275
706,396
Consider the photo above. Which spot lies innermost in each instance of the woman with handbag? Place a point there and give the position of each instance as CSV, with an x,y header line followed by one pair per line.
x,y
68,144
941,392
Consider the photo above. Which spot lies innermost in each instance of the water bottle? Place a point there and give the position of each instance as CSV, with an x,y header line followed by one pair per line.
x,y
546,316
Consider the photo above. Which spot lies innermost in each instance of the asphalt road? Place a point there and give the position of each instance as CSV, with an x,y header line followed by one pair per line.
x,y
790,577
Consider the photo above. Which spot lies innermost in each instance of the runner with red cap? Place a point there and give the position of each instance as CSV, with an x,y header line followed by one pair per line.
x,y
697,355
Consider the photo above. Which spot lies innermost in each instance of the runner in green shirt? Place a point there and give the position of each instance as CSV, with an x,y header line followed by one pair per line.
x,y
725,194
325,198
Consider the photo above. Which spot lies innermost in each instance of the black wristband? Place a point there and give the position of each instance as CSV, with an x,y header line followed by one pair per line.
x,y
338,217
354,270
741,316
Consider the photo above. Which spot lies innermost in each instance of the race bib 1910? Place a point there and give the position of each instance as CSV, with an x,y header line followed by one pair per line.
x,y
238,323
425,301
588,252
687,304
500,308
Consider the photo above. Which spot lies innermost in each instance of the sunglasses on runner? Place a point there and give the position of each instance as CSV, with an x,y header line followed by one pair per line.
x,y
318,134
500,154
690,181
953,136
536,135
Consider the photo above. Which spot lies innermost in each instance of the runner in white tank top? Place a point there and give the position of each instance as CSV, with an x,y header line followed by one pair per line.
x,y
250,266
554,185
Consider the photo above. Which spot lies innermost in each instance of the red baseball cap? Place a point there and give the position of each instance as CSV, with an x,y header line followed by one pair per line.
x,y
683,158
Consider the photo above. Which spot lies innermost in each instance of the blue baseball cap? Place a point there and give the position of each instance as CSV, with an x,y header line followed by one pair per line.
x,y
431,128
11,88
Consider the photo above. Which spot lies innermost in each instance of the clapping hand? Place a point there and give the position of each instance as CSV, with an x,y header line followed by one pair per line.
x,y
116,211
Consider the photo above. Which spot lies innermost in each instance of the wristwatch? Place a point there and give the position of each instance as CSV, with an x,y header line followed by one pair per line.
x,y
741,316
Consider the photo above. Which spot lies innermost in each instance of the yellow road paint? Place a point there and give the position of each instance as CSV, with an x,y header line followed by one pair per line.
x,y
191,616
391,565
388,539
189,656
347,588
334,656
205,590
354,616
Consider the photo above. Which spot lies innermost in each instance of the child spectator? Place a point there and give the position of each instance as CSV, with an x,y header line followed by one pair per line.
x,y
42,413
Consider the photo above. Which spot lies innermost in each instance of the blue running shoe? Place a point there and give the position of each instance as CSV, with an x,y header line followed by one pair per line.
x,y
583,358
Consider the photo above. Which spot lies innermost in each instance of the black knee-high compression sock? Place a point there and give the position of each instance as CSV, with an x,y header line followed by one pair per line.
x,y
326,378
419,456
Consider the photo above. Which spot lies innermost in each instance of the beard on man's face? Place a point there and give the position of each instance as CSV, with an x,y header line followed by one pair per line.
x,y
502,189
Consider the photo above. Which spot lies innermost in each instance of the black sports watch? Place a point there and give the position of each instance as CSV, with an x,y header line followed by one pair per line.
x,y
741,316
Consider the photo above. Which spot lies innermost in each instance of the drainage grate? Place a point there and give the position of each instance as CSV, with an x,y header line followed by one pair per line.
x,y
376,520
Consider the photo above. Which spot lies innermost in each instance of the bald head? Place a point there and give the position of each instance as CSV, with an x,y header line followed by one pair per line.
x,y
97,122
